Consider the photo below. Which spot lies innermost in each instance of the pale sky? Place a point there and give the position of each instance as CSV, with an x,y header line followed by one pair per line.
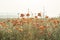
x,y
12,7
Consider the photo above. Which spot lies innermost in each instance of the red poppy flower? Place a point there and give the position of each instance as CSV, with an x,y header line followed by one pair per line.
x,y
27,14
36,17
22,15
39,14
46,16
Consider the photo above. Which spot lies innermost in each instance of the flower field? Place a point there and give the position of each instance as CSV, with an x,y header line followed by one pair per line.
x,y
30,28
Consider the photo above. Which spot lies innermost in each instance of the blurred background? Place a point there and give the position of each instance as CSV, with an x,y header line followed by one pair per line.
x,y
11,8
